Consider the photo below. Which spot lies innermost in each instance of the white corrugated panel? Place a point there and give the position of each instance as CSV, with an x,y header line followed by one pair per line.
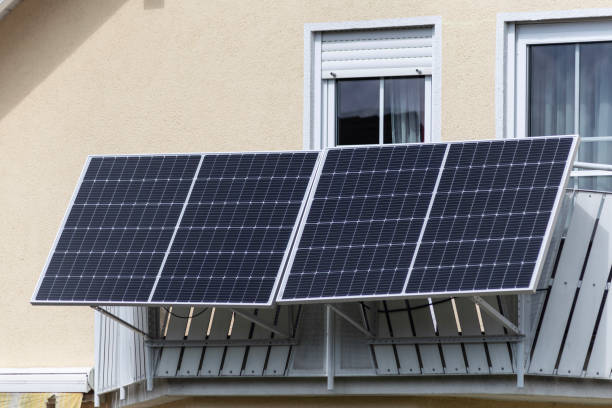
x,y
368,53
119,351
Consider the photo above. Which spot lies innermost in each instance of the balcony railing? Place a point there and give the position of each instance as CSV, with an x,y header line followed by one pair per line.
x,y
562,330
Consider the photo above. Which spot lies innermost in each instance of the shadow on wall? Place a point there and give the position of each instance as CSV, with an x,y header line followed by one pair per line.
x,y
37,36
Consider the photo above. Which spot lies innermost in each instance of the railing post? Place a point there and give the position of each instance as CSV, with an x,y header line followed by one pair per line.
x,y
97,357
329,347
150,352
521,355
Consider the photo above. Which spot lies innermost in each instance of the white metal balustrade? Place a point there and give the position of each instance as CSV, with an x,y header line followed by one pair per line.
x,y
565,331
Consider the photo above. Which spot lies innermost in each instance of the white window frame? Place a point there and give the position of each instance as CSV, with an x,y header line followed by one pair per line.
x,y
515,32
319,94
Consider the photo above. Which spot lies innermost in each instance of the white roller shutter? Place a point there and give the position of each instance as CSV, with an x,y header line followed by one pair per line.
x,y
369,53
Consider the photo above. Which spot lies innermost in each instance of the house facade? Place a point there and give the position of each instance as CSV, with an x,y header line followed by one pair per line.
x,y
161,76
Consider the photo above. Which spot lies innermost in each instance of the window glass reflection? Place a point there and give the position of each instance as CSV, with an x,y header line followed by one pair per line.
x,y
357,110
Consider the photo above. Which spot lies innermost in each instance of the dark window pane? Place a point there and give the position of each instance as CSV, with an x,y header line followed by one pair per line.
x,y
357,110
551,89
404,110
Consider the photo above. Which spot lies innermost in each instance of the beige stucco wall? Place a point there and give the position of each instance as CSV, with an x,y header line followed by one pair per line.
x,y
116,76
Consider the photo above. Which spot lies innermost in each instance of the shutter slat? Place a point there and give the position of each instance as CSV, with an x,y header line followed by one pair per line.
x,y
381,63
370,53
425,42
395,33
363,55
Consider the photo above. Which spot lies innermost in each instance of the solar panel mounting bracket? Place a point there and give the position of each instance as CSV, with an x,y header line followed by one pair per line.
x,y
254,319
120,321
491,311
352,322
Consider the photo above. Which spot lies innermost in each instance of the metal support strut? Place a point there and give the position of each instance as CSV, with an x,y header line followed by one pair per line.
x,y
120,320
351,321
491,311
259,322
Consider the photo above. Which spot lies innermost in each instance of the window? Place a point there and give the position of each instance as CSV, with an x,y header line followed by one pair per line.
x,y
380,110
570,91
559,81
372,83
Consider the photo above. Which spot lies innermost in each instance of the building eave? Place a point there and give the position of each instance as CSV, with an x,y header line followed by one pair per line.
x,y
45,379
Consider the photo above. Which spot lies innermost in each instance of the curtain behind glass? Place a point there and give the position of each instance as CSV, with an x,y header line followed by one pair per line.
x,y
404,110
551,89
596,110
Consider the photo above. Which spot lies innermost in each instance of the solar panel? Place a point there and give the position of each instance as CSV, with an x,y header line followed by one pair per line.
x,y
117,229
364,222
233,239
491,216
371,222
211,228
459,218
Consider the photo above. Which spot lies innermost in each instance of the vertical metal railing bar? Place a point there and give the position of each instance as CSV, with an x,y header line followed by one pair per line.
x,y
597,322
413,329
503,311
391,334
577,292
294,326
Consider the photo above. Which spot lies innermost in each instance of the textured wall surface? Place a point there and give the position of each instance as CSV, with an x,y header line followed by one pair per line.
x,y
116,76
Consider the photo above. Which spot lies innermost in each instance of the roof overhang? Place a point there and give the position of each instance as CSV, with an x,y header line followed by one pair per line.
x,y
45,379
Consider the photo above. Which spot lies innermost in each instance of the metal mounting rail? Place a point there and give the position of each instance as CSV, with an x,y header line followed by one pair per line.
x,y
447,339
228,342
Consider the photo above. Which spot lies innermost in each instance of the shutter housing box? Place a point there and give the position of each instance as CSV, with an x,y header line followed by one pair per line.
x,y
377,52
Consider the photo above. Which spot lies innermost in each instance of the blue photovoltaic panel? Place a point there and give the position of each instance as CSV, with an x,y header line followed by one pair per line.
x,y
118,229
364,222
381,221
236,229
490,215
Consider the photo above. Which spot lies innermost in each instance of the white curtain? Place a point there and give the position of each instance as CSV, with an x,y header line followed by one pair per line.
x,y
551,90
552,87
404,110
596,110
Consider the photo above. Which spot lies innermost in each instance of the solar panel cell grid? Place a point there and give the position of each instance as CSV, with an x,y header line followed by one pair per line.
x,y
118,229
490,215
381,221
364,221
234,233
